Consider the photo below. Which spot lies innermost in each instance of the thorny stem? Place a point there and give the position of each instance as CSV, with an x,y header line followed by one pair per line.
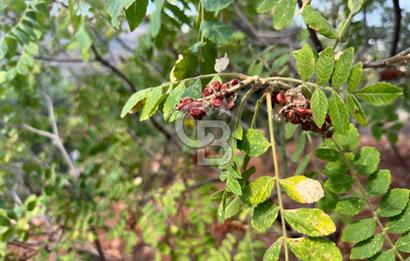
x,y
276,167
369,204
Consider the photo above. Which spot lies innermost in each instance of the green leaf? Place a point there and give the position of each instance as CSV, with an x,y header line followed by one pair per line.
x,y
305,62
272,254
154,99
302,165
367,248
300,147
379,182
216,5
194,90
283,13
183,67
393,202
339,184
324,66
314,249
359,231
3,48
355,109
233,185
173,99
355,77
135,13
400,223
384,256
155,19
265,6
302,189
342,67
335,168
350,206
216,32
310,221
318,23
327,154
264,215
355,5
115,7
135,101
367,160
328,202
231,209
379,94
338,114
348,142
319,107
258,190
403,244
253,143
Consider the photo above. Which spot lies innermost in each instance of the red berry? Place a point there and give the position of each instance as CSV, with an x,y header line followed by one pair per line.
x,y
234,82
216,102
224,87
184,104
207,91
197,112
216,85
281,98
303,111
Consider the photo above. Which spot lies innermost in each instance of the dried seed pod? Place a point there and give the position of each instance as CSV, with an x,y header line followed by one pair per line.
x,y
184,104
197,112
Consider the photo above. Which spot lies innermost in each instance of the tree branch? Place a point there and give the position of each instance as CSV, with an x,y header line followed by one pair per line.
x,y
401,58
312,34
397,27
54,136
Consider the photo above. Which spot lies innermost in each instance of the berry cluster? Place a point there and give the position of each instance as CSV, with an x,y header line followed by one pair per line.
x,y
214,96
296,109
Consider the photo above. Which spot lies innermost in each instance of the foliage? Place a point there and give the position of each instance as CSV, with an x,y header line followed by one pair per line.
x,y
79,167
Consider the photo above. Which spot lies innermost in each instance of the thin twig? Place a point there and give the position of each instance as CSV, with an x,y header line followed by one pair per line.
x,y
276,167
312,34
401,58
54,136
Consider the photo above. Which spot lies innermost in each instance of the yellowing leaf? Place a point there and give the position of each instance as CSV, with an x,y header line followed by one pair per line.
x,y
258,190
314,249
310,221
302,189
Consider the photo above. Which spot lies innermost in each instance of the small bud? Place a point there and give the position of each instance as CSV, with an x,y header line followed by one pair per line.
x,y
281,98
197,112
234,82
224,87
216,85
207,91
216,102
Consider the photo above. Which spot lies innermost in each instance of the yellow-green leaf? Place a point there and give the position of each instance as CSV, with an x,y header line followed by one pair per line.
x,y
264,215
319,107
302,189
355,77
314,249
318,23
379,94
310,221
342,67
258,190
272,254
338,114
305,62
324,66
